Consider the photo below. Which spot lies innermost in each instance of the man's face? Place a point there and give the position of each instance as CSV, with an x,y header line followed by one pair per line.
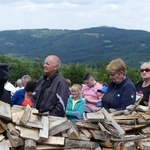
x,y
49,67
89,82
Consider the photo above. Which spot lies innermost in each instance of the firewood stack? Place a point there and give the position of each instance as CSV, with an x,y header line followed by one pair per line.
x,y
24,128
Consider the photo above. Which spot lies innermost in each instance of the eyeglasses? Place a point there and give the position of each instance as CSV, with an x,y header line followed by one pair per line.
x,y
146,70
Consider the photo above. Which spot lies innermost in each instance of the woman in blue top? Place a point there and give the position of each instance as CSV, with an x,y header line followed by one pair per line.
x,y
121,91
76,104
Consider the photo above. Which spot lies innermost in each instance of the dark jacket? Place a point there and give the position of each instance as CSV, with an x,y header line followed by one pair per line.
x,y
124,95
6,97
51,95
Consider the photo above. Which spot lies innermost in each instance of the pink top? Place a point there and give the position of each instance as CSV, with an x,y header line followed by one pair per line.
x,y
91,93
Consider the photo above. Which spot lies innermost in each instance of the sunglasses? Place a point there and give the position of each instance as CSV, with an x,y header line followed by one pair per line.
x,y
146,70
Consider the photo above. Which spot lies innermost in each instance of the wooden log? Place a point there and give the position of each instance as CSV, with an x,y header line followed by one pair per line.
x,y
5,110
48,147
114,123
30,145
80,144
95,116
53,140
145,145
87,125
72,132
14,140
3,145
126,122
86,133
98,135
58,126
2,137
12,129
125,146
28,133
26,116
44,132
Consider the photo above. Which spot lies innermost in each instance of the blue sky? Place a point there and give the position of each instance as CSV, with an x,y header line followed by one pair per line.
x,y
74,14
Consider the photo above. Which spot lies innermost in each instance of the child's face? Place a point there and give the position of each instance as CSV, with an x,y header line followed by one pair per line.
x,y
75,93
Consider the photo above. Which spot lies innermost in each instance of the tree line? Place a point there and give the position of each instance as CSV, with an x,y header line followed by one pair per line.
x,y
18,67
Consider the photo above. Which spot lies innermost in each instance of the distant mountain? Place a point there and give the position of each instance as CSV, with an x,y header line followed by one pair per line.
x,y
91,45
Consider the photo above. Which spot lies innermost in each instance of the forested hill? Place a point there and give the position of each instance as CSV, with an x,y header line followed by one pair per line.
x,y
92,45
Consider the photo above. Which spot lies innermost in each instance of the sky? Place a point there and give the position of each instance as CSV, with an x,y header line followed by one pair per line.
x,y
74,14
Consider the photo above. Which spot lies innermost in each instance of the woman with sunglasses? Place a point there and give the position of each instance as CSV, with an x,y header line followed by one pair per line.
x,y
143,86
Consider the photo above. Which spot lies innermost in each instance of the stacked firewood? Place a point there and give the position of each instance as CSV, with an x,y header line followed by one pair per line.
x,y
24,128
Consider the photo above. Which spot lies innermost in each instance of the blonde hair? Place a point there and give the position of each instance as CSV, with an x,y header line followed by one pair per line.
x,y
145,65
76,87
116,66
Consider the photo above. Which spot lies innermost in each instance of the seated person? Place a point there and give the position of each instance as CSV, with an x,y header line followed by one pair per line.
x,y
101,94
121,91
76,104
89,92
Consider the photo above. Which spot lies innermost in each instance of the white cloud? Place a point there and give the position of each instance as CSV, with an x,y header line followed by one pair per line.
x,y
74,14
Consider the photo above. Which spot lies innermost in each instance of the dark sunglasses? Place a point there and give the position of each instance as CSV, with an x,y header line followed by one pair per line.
x,y
146,70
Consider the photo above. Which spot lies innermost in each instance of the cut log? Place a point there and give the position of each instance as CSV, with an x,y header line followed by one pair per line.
x,y
72,132
53,140
27,133
114,123
86,133
87,125
5,110
3,145
44,132
26,116
98,135
125,146
95,116
30,145
12,129
58,126
80,144
14,140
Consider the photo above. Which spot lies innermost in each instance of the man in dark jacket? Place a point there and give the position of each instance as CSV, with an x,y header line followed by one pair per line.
x,y
52,91
5,96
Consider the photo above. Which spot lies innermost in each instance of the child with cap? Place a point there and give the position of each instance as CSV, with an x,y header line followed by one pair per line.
x,y
101,94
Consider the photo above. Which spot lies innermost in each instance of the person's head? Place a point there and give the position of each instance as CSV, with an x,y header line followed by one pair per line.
x,y
68,82
19,83
25,79
145,70
75,91
117,70
51,65
88,79
30,86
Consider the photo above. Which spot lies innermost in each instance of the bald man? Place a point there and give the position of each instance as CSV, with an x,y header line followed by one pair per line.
x,y
52,90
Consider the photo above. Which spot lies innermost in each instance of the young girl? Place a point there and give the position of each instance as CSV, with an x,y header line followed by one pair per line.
x,y
76,104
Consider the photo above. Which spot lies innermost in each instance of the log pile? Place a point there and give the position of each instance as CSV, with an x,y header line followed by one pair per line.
x,y
24,128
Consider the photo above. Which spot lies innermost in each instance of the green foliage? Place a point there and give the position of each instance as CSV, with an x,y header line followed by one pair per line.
x,y
74,72
19,67
134,75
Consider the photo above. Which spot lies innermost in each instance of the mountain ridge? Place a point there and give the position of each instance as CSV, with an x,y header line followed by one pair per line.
x,y
90,45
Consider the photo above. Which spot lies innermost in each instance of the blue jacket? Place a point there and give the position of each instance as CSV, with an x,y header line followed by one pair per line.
x,y
18,97
124,95
77,112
